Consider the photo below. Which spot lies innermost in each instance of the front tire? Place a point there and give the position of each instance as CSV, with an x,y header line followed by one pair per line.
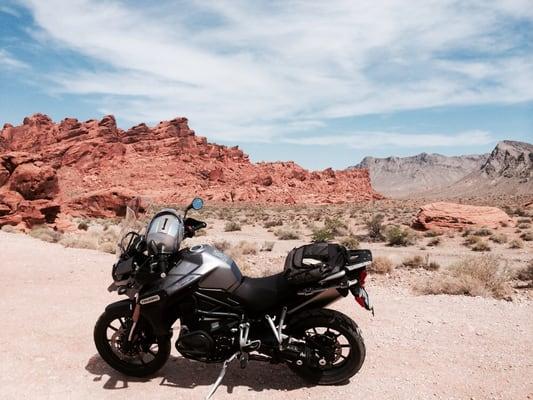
x,y
333,360
143,356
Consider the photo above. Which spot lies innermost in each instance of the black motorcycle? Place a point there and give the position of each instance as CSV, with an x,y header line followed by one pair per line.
x,y
226,316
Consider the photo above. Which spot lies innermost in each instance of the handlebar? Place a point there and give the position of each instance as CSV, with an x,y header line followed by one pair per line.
x,y
192,225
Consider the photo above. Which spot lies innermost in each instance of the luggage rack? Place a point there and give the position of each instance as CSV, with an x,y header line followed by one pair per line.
x,y
356,259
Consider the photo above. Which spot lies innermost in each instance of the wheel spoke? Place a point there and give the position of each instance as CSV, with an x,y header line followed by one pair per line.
x,y
112,327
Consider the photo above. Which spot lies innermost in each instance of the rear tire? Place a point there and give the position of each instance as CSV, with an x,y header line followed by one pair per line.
x,y
126,363
329,321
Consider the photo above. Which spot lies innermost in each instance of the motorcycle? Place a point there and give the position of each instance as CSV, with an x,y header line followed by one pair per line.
x,y
224,316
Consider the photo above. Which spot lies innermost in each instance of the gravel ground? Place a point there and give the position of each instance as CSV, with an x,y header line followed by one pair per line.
x,y
423,347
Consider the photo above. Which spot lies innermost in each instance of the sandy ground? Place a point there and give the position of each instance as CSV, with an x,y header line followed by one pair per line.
x,y
421,347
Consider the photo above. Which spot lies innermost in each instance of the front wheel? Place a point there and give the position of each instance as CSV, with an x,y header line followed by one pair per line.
x,y
336,350
142,356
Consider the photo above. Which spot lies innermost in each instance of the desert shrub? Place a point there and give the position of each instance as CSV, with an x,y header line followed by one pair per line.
x,y
481,246
471,240
321,235
434,241
527,236
246,248
8,229
381,265
431,234
526,273
272,222
83,226
516,244
267,246
336,226
222,245
523,226
398,236
79,241
375,227
350,242
524,220
472,276
45,233
417,261
482,232
498,238
287,234
232,226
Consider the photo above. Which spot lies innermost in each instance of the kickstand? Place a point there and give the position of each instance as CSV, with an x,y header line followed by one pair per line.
x,y
221,376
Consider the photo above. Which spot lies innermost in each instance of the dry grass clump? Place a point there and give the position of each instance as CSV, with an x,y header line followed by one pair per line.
x,y
222,245
287,234
8,229
45,233
381,265
434,241
472,276
498,238
97,237
482,232
350,242
417,261
527,236
272,222
398,236
481,246
431,234
526,273
523,226
246,248
232,226
267,246
516,244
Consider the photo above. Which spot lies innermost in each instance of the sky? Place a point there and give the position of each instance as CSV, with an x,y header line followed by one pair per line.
x,y
323,83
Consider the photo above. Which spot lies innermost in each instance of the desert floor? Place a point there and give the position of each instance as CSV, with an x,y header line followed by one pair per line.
x,y
418,347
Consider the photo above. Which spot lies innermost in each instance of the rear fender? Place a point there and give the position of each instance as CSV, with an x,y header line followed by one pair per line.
x,y
320,300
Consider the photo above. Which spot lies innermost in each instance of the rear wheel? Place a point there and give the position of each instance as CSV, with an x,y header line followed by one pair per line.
x,y
335,347
142,356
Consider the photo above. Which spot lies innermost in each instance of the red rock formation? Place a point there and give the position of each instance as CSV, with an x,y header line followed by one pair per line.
x,y
442,216
73,161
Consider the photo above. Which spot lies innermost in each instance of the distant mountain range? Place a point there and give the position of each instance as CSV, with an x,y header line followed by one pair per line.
x,y
508,168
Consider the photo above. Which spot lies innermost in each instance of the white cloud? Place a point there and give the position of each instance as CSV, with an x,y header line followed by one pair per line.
x,y
258,71
10,62
373,139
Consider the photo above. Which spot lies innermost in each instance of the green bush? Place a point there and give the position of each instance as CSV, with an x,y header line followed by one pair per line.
x,y
321,235
398,236
375,227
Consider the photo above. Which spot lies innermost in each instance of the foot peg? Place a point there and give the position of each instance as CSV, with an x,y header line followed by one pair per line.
x,y
221,376
244,358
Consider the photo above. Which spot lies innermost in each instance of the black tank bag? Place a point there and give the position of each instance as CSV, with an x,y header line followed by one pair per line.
x,y
312,262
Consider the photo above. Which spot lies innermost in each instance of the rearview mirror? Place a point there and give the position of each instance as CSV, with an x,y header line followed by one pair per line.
x,y
197,203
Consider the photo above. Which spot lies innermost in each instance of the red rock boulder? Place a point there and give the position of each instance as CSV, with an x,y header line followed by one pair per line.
x,y
106,203
34,182
444,216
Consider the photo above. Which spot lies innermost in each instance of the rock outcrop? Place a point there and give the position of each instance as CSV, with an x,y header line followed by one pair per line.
x,y
442,216
93,168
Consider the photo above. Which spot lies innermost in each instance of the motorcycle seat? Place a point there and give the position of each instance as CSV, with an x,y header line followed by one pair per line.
x,y
261,294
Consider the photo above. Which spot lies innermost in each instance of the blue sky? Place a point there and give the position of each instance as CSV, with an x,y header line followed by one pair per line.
x,y
321,83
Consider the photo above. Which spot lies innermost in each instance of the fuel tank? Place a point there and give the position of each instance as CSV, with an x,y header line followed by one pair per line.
x,y
216,269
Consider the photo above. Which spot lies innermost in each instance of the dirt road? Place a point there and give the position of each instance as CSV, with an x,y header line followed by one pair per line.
x,y
426,347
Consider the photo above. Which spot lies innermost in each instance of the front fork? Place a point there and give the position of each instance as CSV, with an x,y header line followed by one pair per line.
x,y
135,317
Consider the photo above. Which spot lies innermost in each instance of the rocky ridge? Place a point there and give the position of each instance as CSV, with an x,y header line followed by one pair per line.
x,y
94,168
404,176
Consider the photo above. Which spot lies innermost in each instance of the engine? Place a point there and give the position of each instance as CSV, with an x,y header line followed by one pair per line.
x,y
211,345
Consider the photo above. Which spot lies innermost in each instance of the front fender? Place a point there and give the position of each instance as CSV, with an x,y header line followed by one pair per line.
x,y
122,305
